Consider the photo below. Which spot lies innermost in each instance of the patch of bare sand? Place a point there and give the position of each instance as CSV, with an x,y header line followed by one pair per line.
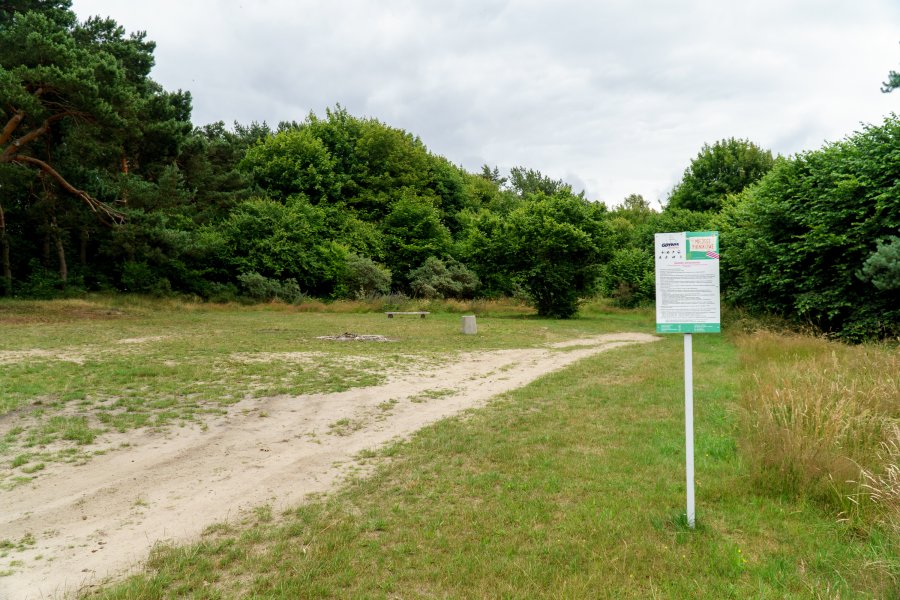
x,y
97,521
143,340
12,357
74,354
267,357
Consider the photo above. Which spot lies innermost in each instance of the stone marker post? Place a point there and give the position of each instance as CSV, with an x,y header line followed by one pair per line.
x,y
468,325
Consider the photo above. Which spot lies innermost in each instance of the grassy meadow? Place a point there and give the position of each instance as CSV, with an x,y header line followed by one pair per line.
x,y
75,369
572,487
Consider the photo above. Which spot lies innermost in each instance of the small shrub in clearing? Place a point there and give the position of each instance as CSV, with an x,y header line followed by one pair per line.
x,y
442,279
262,289
628,277
364,277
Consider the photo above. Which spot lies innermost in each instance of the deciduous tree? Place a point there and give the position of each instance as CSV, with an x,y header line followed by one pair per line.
x,y
554,246
726,167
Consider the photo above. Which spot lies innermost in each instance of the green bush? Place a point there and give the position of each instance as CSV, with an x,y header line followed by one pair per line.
x,y
628,277
726,167
262,289
796,243
283,242
43,283
414,232
437,279
140,278
221,292
364,277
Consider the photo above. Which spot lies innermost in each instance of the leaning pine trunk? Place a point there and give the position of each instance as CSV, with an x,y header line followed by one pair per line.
x,y
7,268
82,254
4,254
60,253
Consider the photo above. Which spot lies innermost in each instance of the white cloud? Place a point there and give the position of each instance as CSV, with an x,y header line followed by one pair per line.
x,y
616,95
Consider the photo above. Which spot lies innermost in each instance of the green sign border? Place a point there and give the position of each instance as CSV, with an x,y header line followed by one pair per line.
x,y
688,328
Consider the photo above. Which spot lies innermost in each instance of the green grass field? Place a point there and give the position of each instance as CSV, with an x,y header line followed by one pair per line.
x,y
572,487
75,369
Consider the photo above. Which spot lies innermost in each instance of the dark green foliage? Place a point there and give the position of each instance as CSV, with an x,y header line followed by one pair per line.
x,y
482,247
294,161
83,127
58,11
324,203
437,279
882,268
210,160
385,197
794,243
635,208
139,277
284,241
413,232
629,277
553,247
364,277
155,253
83,91
359,163
261,289
493,175
526,182
726,167
42,283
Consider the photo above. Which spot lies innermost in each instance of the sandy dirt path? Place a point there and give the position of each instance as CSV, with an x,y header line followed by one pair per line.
x,y
98,521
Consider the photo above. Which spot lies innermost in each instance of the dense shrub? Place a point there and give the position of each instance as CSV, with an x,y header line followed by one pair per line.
x,y
414,232
262,289
137,277
437,279
629,277
364,277
284,241
795,243
42,283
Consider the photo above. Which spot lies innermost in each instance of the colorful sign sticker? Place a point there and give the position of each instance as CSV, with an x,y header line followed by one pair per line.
x,y
702,245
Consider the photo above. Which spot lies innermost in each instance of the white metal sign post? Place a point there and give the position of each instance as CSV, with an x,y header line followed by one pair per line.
x,y
687,301
689,425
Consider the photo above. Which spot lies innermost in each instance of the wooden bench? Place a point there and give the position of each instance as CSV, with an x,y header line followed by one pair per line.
x,y
421,313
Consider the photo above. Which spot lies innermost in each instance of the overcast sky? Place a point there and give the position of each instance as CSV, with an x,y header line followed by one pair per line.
x,y
615,97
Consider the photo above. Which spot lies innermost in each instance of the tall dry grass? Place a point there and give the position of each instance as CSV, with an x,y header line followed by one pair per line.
x,y
399,302
369,304
822,420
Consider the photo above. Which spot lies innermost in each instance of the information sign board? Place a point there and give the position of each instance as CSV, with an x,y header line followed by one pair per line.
x,y
687,282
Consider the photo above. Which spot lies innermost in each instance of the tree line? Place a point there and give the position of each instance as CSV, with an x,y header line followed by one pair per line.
x,y
105,184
